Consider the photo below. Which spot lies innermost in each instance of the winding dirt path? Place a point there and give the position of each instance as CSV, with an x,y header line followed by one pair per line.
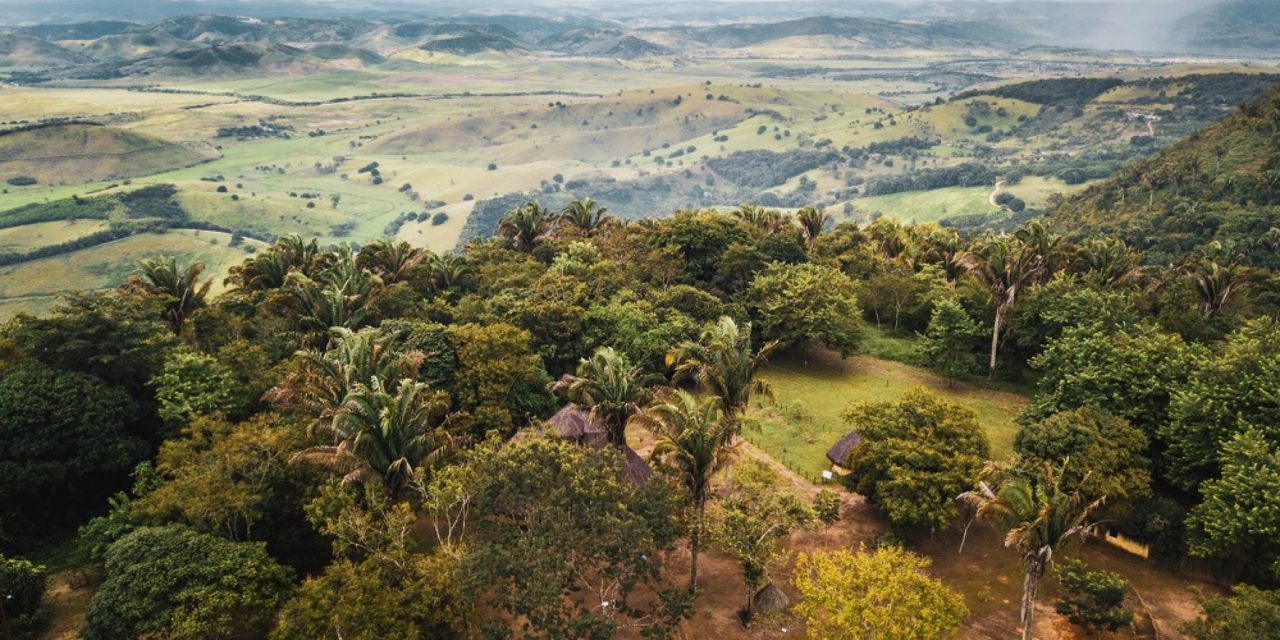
x,y
991,199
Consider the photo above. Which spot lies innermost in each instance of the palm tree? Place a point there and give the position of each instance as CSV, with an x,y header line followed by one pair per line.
x,y
267,270
391,261
587,215
525,228
724,364
1214,283
448,271
304,256
181,288
386,436
320,381
342,295
812,222
1004,265
1054,253
696,442
767,221
890,236
1041,516
610,388
1110,262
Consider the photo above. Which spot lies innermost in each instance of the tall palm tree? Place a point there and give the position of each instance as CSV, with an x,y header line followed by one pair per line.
x,y
267,270
890,236
587,215
1054,253
696,442
448,271
181,288
391,261
1004,265
525,228
724,364
341,295
304,256
812,222
1110,262
768,221
319,381
1213,282
610,388
386,436
1041,516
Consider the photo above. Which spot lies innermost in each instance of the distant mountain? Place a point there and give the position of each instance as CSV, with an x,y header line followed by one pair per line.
x,y
220,60
1221,183
605,43
873,32
78,31
207,29
29,52
131,46
344,52
467,39
1232,26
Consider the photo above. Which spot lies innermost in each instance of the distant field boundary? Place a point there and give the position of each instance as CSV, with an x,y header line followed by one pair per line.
x,y
341,99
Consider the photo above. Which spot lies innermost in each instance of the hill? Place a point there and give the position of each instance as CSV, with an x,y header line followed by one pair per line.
x,y
464,39
873,32
605,43
29,52
225,59
86,152
131,46
1222,183
1232,26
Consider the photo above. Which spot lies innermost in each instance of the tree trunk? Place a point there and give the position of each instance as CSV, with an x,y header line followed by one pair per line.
x,y
995,342
695,540
1030,585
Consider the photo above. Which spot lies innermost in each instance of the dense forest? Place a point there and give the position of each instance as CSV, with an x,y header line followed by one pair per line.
x,y
385,442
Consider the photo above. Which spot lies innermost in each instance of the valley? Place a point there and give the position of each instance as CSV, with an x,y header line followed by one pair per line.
x,y
352,130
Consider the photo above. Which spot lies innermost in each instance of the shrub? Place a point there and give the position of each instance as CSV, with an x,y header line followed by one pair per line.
x,y
22,583
21,181
1093,600
827,506
175,582
439,218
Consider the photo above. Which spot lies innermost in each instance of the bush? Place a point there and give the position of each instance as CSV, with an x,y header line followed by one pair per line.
x,y
439,218
175,582
827,506
22,583
21,181
1093,600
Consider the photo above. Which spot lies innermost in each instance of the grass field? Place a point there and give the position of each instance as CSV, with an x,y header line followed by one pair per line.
x,y
806,421
34,286
42,234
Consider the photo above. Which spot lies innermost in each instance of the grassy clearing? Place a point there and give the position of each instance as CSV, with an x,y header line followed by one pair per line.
x,y
34,286
43,234
929,206
806,420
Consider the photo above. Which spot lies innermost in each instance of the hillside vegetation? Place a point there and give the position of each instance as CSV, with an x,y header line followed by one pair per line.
x,y
1221,184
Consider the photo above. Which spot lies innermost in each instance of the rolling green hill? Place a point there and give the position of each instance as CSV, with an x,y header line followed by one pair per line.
x,y
28,52
1222,183
87,152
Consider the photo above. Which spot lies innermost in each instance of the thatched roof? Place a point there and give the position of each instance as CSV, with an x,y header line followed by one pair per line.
x,y
771,599
838,454
635,468
572,422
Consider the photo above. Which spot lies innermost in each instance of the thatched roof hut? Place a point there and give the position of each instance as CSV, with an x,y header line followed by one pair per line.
x,y
635,468
770,599
572,422
576,424
838,454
